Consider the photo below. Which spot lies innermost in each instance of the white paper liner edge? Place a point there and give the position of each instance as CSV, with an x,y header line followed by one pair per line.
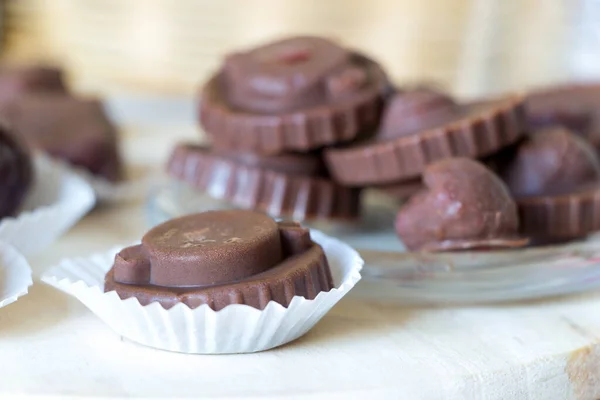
x,y
57,200
235,329
15,275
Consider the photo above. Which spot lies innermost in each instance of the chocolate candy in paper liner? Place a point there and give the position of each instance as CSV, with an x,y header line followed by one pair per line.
x,y
464,206
237,328
257,103
476,131
252,185
221,258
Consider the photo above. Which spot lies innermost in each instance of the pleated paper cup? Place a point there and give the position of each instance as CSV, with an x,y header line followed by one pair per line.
x,y
57,199
236,328
15,275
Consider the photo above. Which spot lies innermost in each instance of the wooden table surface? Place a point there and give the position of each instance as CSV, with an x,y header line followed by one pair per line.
x,y
52,346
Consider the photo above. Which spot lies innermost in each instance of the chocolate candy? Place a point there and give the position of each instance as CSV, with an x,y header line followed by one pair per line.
x,y
477,130
576,107
555,177
297,94
551,161
221,258
292,185
76,130
15,174
415,110
464,206
18,81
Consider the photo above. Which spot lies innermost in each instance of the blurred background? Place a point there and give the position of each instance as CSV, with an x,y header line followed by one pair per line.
x,y
166,48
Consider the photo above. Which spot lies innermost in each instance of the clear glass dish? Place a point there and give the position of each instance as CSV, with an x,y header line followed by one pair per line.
x,y
392,274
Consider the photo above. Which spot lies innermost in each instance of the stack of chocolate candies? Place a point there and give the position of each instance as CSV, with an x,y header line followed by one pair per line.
x,y
269,113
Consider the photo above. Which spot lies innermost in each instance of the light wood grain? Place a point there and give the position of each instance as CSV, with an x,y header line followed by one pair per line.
x,y
469,46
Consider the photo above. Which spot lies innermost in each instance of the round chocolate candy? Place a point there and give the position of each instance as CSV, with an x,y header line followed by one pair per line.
x,y
550,161
15,174
287,75
296,94
415,110
576,107
286,185
220,258
474,131
555,177
464,206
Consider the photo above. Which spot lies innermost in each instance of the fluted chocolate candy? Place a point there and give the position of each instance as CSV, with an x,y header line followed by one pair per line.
x,y
575,106
285,185
470,130
15,174
415,110
555,178
295,94
74,129
221,258
464,206
551,161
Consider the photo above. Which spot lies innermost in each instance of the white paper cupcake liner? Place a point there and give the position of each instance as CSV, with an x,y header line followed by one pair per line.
x,y
15,275
57,200
234,329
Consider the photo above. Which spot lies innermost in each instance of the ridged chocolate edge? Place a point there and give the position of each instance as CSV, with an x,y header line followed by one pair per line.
x,y
304,275
406,157
297,131
277,194
565,216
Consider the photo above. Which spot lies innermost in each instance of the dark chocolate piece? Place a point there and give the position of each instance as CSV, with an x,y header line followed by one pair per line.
x,y
415,110
464,206
16,174
18,81
478,130
284,185
73,129
221,258
297,94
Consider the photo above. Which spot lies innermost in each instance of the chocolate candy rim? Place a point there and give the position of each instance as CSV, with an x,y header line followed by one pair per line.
x,y
304,275
295,131
243,186
406,157
564,216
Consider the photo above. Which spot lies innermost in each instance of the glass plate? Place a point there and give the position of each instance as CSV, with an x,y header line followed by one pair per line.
x,y
391,273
